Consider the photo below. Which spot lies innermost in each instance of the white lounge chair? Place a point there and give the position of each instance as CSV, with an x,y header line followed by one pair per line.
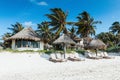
x,y
75,57
106,56
56,58
61,56
91,56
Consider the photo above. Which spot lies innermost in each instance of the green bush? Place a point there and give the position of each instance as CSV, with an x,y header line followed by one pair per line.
x,y
81,52
113,49
49,52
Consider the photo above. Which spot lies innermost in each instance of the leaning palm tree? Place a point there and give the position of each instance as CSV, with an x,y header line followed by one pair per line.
x,y
44,31
16,28
58,21
86,24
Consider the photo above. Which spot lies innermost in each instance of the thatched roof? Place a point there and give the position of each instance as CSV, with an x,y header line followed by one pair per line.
x,y
97,44
64,39
87,40
26,34
77,39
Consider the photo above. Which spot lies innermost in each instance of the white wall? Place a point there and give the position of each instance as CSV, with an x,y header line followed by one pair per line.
x,y
13,44
41,45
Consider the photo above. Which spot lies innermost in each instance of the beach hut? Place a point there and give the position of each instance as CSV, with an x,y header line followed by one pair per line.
x,y
97,44
26,39
64,40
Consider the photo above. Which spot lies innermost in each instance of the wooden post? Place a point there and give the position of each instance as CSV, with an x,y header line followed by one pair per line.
x,y
64,50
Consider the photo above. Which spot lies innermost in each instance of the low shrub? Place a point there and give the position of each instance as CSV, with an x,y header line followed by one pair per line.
x,y
81,51
113,49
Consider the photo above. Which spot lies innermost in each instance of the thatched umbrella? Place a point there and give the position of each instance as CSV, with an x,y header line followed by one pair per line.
x,y
64,39
97,44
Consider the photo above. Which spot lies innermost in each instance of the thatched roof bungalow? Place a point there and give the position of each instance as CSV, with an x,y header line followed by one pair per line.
x,y
26,39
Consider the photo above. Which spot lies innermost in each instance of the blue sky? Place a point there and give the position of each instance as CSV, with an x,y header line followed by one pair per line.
x,y
32,12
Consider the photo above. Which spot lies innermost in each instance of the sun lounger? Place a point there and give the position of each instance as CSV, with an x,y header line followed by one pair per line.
x,y
56,58
61,56
75,57
106,56
90,56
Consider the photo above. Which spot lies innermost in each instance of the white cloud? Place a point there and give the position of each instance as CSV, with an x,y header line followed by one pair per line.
x,y
42,3
29,24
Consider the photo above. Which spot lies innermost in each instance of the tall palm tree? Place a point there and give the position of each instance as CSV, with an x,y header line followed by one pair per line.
x,y
58,21
44,31
16,28
115,28
86,24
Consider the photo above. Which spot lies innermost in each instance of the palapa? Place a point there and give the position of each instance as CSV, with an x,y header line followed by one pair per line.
x,y
64,39
26,34
97,44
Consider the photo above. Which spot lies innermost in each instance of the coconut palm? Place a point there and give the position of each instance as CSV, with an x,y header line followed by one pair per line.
x,y
16,28
6,35
115,28
44,31
72,32
58,21
6,44
107,37
86,24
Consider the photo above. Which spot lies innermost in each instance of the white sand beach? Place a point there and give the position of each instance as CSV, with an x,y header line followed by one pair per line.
x,y
34,67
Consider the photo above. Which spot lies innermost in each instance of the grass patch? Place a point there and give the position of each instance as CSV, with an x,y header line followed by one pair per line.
x,y
23,51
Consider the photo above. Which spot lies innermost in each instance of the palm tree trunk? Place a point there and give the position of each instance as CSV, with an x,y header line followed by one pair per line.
x,y
57,33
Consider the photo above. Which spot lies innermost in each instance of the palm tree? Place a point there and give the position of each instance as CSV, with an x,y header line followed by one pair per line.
x,y
86,24
58,21
16,28
6,44
72,32
6,35
115,28
44,31
108,38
